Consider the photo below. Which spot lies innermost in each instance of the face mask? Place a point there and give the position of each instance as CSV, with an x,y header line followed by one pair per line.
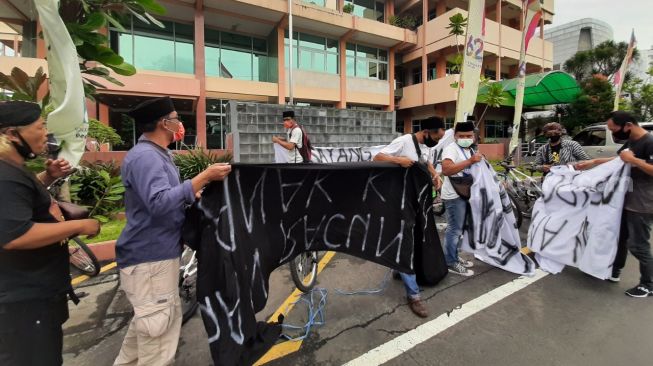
x,y
179,134
621,134
554,138
465,143
24,150
429,142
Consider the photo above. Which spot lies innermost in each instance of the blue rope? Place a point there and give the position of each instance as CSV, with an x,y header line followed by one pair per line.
x,y
382,286
316,313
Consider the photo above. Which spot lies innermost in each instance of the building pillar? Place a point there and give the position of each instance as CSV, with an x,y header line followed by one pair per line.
x,y
391,79
389,9
441,67
103,116
342,49
200,74
425,14
281,64
41,51
341,4
500,53
408,124
542,38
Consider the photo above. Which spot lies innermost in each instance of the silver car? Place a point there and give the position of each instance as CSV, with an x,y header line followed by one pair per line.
x,y
597,140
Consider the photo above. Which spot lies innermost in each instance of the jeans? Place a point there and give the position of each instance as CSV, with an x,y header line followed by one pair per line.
x,y
455,210
622,248
410,282
639,235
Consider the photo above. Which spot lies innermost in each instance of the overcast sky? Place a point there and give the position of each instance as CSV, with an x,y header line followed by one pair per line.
x,y
622,15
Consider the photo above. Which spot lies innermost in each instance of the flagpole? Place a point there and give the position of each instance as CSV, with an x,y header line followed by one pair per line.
x,y
290,53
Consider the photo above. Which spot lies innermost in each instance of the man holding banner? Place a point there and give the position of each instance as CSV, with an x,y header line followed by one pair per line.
x,y
638,207
405,151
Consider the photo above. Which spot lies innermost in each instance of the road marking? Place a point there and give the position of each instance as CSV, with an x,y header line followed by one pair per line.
x,y
77,280
285,348
426,331
278,351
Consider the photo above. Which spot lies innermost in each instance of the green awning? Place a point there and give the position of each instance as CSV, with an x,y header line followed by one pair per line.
x,y
553,87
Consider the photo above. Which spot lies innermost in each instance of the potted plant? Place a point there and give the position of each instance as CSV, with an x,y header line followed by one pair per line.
x,y
348,8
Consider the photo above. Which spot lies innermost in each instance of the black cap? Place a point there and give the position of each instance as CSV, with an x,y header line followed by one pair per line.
x,y
289,114
431,123
151,110
471,118
18,113
464,127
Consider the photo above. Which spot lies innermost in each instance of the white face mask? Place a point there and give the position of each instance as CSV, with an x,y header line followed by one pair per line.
x,y
465,143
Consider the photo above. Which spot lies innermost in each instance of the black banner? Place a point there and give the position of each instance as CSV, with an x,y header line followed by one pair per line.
x,y
262,216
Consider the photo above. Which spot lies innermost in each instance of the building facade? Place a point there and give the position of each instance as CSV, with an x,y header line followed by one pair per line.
x,y
579,35
212,51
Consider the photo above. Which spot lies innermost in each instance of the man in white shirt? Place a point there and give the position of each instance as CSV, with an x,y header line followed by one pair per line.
x,y
294,140
456,160
405,151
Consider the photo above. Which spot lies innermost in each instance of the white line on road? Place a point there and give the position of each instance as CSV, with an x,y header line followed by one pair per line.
x,y
424,332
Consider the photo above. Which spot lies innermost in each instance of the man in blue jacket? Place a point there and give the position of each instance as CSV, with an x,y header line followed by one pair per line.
x,y
149,247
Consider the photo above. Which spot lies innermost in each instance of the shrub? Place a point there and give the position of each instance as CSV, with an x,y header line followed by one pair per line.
x,y
102,133
348,8
196,160
99,188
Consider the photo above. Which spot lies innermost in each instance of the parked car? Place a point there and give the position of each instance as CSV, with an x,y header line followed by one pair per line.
x,y
598,142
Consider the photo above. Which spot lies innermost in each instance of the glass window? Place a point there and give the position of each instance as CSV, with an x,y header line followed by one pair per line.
x,y
309,41
236,64
596,138
380,11
332,63
417,76
149,47
212,62
369,62
581,138
351,66
236,41
154,53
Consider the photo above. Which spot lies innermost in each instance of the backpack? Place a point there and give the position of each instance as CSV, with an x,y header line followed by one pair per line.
x,y
305,150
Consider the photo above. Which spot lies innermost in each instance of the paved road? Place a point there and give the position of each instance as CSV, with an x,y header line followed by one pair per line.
x,y
567,319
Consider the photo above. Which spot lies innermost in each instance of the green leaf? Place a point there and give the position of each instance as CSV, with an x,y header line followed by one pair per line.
x,y
140,17
114,22
123,69
101,218
95,21
152,6
154,20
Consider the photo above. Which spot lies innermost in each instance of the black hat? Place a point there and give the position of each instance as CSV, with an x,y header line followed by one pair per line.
x,y
18,113
151,110
464,127
289,114
471,118
431,123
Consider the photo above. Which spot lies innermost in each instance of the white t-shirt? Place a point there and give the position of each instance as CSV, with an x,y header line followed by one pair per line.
x,y
404,146
454,153
296,136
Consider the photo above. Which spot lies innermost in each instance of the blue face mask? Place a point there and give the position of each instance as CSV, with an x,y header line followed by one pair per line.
x,y
465,143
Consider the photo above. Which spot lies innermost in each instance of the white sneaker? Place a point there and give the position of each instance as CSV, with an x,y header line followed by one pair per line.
x,y
465,263
459,269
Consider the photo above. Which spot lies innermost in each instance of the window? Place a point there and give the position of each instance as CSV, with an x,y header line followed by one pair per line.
x,y
416,125
591,137
431,72
313,53
452,69
367,62
236,56
489,74
369,9
148,47
217,126
496,129
417,76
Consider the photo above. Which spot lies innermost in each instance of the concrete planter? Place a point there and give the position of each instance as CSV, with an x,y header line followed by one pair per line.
x,y
104,251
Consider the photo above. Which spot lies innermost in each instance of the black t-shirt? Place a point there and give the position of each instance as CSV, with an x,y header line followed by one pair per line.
x,y
640,199
555,153
28,274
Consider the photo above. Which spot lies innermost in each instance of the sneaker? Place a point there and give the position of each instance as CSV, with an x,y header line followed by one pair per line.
x,y
614,279
465,263
417,306
639,291
459,269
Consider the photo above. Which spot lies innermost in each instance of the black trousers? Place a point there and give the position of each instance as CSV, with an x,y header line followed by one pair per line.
x,y
30,332
635,236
